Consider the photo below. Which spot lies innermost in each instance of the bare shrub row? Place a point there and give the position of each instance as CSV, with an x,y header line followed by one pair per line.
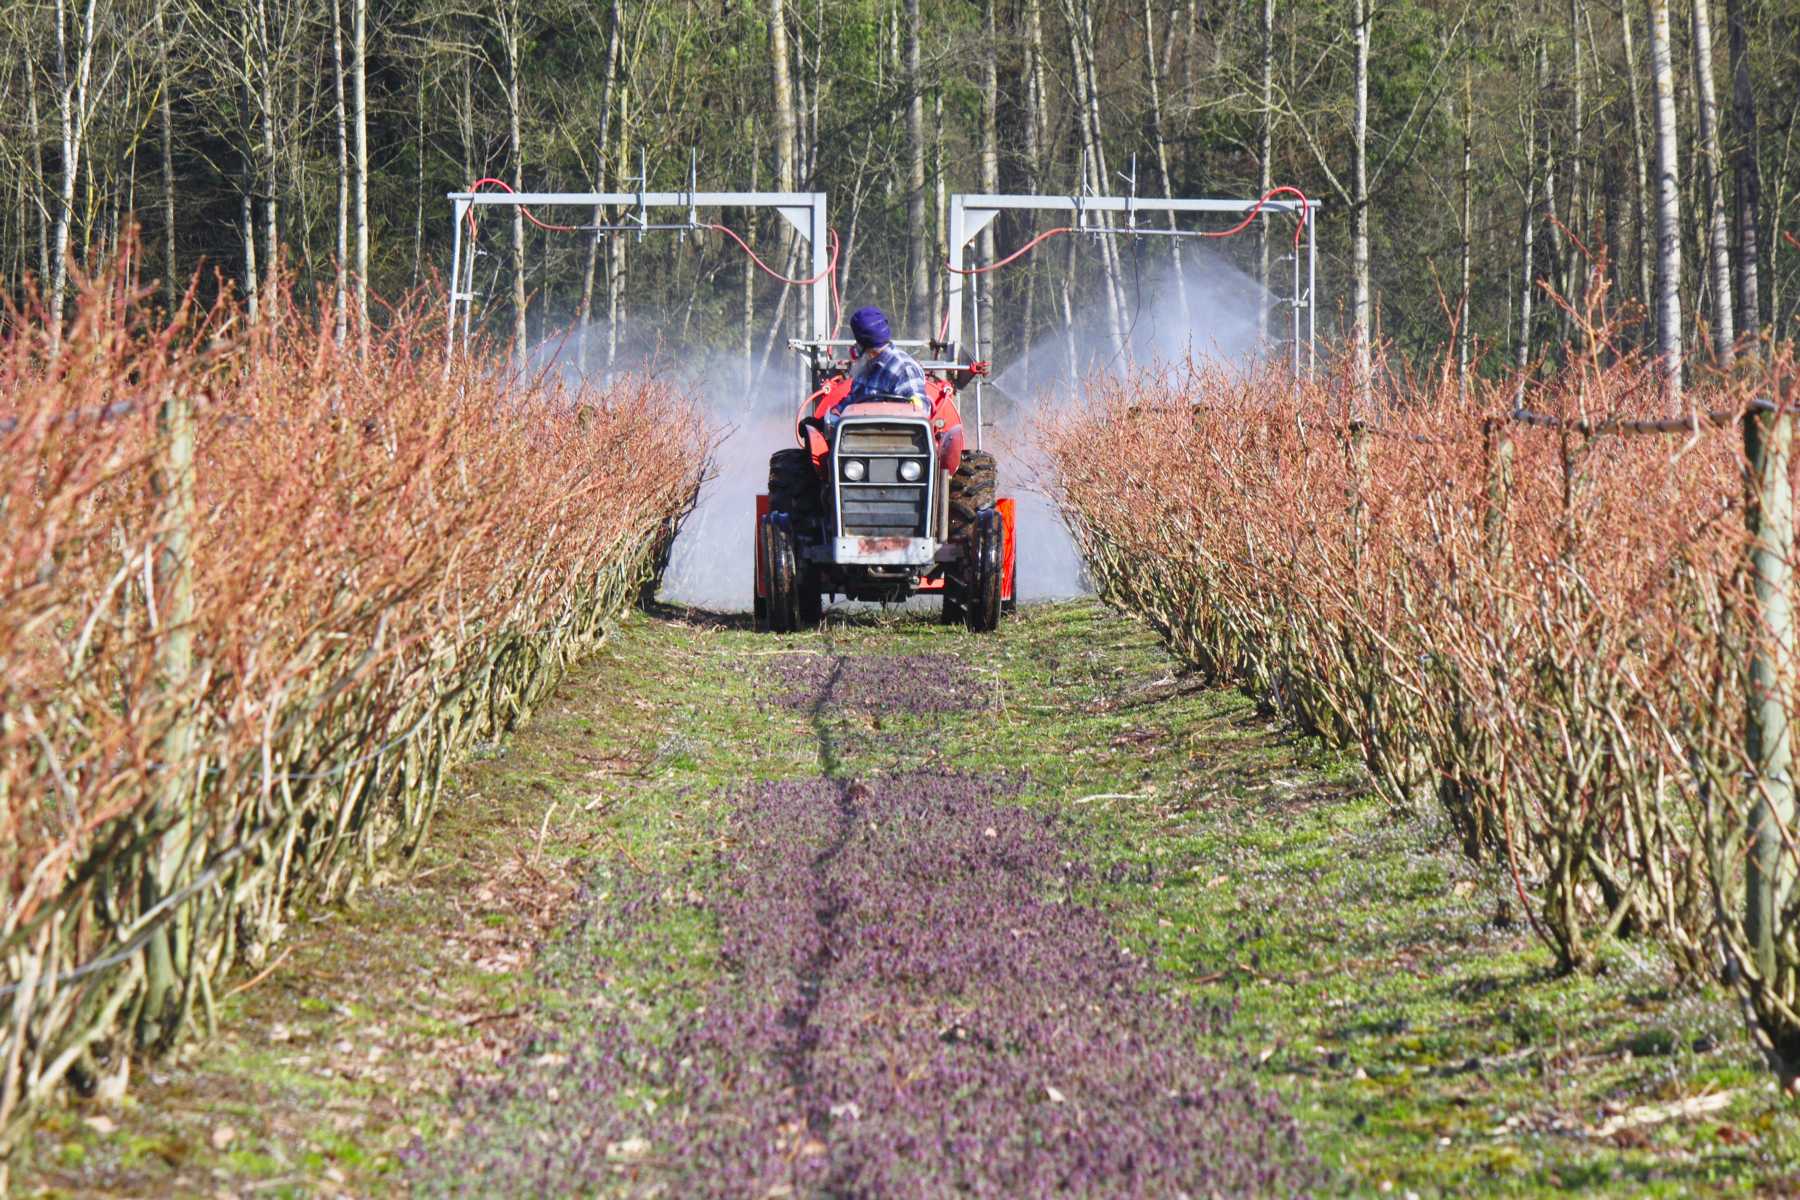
x,y
257,591
1545,628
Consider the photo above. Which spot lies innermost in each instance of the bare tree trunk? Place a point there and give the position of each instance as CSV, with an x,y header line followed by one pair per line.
x,y
247,231
359,60
72,79
1528,232
990,168
1668,206
1266,164
1034,140
1359,218
918,237
1640,197
1109,246
614,30
418,267
1718,238
510,34
1574,279
750,370
1467,248
616,244
166,129
35,122
1748,172
1161,146
939,213
247,167
781,79
1556,260
340,277
782,89
265,106
1094,174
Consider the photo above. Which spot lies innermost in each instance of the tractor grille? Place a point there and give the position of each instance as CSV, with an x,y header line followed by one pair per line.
x,y
876,439
882,504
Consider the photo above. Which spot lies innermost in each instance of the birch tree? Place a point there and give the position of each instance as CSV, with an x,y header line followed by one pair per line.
x,y
1748,172
918,237
359,81
1718,242
77,97
1668,205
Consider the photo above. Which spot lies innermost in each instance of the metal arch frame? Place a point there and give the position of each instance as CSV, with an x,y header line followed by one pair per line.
x,y
806,212
970,214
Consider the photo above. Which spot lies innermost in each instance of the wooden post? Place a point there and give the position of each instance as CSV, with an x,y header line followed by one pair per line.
x,y
164,955
1498,439
1768,444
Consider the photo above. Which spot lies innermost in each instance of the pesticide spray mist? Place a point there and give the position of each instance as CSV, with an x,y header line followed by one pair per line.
x,y
1210,312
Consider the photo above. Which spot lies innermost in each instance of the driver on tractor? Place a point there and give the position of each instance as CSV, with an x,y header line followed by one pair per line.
x,y
887,371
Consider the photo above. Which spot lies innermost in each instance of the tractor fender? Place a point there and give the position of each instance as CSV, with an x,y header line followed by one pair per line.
x,y
950,447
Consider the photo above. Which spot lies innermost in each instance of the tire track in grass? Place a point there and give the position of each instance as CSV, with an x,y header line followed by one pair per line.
x,y
914,1001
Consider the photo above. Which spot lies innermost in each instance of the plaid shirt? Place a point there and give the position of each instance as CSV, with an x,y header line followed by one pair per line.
x,y
891,372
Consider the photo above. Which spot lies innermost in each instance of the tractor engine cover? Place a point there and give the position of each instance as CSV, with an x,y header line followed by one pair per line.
x,y
884,468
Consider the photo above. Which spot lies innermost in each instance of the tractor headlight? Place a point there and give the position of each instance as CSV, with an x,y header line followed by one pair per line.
x,y
910,470
855,469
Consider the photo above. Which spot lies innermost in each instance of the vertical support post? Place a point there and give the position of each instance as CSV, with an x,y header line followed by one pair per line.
x,y
955,240
1768,445
459,210
1294,318
1312,291
165,957
976,310
821,259
1497,436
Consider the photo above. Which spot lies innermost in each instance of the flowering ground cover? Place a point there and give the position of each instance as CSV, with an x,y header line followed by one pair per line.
x,y
912,1001
1292,947
878,683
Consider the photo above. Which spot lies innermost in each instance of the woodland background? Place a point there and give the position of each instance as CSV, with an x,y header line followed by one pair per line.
x,y
1471,153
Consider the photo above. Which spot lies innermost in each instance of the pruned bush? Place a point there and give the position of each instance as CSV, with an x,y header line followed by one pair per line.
x,y
1540,621
257,591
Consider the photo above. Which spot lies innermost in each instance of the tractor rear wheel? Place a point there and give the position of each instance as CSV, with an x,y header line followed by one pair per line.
x,y
971,490
781,572
793,484
987,546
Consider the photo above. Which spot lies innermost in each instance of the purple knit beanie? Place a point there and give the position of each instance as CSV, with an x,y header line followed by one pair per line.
x,y
870,327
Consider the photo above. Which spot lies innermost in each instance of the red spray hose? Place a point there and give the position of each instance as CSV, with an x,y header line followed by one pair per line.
x,y
504,186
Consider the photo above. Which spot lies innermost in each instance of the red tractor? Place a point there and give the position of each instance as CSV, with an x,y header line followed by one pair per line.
x,y
882,505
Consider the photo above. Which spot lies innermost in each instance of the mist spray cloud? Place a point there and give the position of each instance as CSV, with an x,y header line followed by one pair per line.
x,y
1210,312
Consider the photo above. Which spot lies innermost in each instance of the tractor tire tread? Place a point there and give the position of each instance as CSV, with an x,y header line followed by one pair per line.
x,y
793,483
972,488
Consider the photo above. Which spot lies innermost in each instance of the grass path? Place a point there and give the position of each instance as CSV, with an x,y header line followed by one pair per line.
x,y
1274,935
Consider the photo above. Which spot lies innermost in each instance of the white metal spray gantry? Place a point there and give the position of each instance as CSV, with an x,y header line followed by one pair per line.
x,y
804,211
970,214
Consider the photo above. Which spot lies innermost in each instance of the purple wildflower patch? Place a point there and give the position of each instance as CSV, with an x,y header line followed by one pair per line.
x,y
913,1003
878,683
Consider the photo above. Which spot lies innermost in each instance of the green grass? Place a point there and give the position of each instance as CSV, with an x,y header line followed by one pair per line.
x,y
1375,978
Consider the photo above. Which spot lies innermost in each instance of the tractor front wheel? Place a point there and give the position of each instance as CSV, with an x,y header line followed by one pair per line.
x,y
781,573
793,483
980,599
972,489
